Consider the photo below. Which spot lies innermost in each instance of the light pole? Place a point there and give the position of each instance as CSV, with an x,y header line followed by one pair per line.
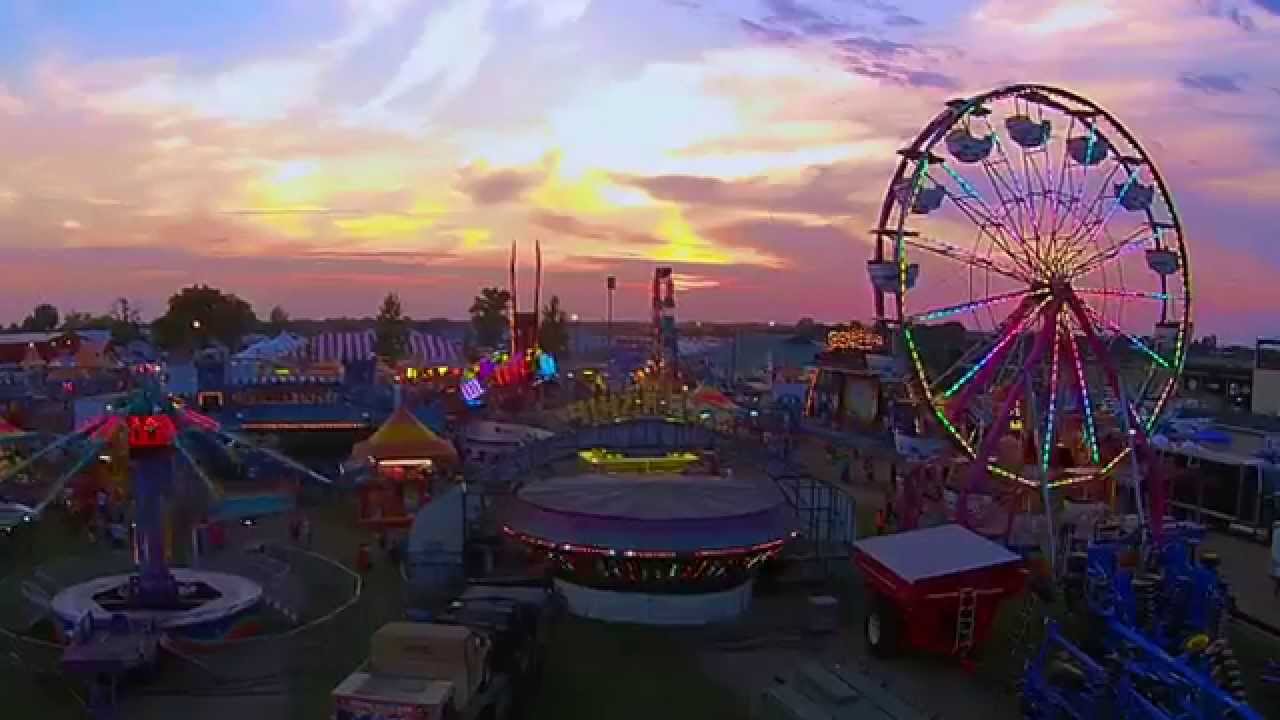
x,y
611,284
573,334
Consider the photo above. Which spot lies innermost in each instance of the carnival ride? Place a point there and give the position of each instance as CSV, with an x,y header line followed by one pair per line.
x,y
140,443
513,371
1065,262
112,623
1063,278
657,549
665,359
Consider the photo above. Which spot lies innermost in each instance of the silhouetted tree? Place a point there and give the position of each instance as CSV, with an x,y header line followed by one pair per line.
x,y
278,322
199,314
125,322
43,318
489,315
553,331
392,328
76,320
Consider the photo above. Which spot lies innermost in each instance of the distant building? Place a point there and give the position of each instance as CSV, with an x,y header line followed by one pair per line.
x,y
17,349
1219,380
1266,377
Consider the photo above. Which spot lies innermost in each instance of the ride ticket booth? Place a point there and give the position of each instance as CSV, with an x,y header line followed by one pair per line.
x,y
404,460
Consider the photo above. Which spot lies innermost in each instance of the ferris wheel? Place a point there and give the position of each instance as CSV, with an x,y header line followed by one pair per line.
x,y
1036,221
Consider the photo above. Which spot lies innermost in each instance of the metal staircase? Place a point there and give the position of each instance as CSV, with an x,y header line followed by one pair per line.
x,y
966,621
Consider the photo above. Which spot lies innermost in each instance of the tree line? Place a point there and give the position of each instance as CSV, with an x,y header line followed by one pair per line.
x,y
200,315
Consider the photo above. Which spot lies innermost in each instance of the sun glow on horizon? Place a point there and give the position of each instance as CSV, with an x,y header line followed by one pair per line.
x,y
751,149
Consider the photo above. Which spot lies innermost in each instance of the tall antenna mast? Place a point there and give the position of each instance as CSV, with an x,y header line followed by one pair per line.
x,y
515,303
537,285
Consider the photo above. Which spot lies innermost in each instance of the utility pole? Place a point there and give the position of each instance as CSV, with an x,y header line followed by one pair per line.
x,y
611,284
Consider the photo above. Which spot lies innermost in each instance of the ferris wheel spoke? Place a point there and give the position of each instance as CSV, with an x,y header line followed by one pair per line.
x,y
1093,217
1000,418
1086,233
1010,196
981,214
1135,239
952,252
1051,413
1090,428
1023,196
966,360
1056,191
1100,321
1033,176
1076,194
971,306
979,377
1105,292
1086,324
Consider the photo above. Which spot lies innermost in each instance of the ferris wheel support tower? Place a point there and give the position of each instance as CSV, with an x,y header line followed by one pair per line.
x,y
665,348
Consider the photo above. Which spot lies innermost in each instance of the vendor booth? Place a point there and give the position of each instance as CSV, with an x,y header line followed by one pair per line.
x,y
404,460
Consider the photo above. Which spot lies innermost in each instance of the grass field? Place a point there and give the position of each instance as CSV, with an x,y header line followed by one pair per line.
x,y
28,684
594,670
623,672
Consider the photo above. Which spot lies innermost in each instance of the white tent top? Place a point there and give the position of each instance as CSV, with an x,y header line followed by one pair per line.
x,y
274,348
933,552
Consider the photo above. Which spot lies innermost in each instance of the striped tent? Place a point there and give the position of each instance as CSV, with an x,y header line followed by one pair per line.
x,y
272,379
405,437
424,349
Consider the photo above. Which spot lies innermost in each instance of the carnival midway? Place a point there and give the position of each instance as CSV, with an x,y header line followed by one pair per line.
x,y
989,500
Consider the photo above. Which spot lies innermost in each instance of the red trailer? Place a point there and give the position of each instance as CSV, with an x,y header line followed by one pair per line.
x,y
936,589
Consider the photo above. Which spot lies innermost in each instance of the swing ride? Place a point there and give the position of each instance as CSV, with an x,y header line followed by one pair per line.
x,y
153,436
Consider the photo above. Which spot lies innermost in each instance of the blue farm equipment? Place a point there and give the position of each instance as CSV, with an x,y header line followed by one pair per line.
x,y
1156,645
1134,680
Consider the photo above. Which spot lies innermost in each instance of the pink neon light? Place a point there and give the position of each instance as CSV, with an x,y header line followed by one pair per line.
x,y
958,406
1001,418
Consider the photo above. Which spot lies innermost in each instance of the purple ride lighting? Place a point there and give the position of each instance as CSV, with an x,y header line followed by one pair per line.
x,y
1132,340
971,306
472,390
1090,432
1047,447
1005,340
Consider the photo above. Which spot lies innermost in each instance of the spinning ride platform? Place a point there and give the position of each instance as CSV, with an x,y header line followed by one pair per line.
x,y
935,590
654,549
205,600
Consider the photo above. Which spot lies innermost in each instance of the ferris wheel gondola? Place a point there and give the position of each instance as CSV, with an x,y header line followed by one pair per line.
x,y
1032,217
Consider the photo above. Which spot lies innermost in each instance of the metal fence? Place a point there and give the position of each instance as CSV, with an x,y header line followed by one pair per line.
x,y
825,512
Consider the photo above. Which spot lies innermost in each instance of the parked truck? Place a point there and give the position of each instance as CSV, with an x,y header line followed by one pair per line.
x,y
479,658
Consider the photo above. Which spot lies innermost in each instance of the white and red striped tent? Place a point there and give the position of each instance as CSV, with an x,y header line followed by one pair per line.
x,y
424,349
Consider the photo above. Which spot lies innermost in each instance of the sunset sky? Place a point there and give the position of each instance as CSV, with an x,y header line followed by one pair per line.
x,y
317,153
